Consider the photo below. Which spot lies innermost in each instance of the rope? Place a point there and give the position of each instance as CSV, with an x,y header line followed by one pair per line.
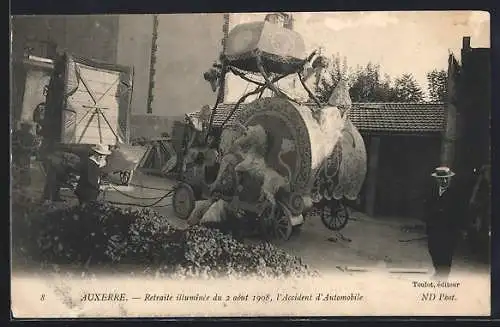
x,y
149,188
153,205
137,197
138,205
144,205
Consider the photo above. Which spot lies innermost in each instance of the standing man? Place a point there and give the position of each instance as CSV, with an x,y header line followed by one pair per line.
x,y
88,187
443,220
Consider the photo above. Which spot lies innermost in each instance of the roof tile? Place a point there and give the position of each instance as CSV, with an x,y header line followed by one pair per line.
x,y
422,117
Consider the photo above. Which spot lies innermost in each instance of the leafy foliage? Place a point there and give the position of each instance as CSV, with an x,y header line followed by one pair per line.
x,y
102,235
437,85
367,84
407,89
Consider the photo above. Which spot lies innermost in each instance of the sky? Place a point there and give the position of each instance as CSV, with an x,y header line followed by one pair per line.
x,y
401,42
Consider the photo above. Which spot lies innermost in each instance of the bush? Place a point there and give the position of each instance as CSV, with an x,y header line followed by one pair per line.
x,y
101,234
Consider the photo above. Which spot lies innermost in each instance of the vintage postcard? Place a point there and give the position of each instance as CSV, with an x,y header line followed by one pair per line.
x,y
251,164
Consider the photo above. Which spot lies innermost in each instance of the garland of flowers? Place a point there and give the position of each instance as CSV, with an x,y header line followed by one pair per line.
x,y
152,70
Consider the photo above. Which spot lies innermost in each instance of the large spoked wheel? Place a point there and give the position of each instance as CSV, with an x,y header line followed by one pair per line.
x,y
183,201
335,215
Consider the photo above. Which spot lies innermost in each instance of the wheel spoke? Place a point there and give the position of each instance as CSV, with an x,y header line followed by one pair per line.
x,y
281,233
331,217
282,227
338,220
341,214
333,221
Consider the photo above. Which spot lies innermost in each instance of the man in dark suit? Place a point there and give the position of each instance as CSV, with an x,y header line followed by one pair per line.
x,y
88,187
443,220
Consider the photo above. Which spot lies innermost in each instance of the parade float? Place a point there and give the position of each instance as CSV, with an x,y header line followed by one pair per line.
x,y
272,161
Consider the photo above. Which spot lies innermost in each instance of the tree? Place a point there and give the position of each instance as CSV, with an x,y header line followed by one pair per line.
x,y
384,92
437,82
367,85
365,82
335,72
406,89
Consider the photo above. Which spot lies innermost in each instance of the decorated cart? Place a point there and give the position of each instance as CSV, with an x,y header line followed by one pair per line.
x,y
274,160
88,103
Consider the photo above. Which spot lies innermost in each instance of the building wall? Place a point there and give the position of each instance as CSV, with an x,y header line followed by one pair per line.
x,y
36,80
127,40
149,126
188,45
87,36
18,82
90,36
134,50
475,109
116,39
473,148
403,179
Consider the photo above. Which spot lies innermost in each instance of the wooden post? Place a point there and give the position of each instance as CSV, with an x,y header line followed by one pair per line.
x,y
371,180
152,64
225,31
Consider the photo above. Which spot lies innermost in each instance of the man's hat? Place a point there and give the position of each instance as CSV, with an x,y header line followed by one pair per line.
x,y
442,172
101,149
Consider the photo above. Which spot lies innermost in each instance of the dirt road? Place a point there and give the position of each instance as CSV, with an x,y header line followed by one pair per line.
x,y
366,242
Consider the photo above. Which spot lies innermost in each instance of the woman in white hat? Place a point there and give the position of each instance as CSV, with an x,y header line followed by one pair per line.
x,y
443,220
88,187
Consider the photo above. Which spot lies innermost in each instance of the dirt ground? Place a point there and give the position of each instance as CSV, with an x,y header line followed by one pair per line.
x,y
366,243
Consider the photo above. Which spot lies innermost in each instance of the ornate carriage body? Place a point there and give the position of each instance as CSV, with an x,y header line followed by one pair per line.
x,y
296,156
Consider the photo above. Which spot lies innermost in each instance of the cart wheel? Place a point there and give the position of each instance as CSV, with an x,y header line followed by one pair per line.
x,y
334,216
282,225
183,201
125,177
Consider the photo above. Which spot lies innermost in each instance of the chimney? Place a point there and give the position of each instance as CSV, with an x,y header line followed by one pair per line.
x,y
466,49
466,43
